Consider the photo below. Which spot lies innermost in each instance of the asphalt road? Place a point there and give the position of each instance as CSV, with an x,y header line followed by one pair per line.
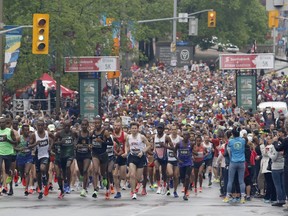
x,y
204,204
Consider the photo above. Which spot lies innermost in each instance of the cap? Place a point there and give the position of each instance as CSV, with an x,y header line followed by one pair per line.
x,y
51,127
161,125
280,111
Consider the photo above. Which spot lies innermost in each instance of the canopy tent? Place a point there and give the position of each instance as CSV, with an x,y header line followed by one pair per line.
x,y
48,82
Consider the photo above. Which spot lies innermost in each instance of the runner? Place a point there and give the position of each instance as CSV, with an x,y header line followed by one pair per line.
x,y
136,145
161,142
172,166
208,159
42,140
199,163
24,157
100,140
66,139
7,144
121,161
183,150
83,154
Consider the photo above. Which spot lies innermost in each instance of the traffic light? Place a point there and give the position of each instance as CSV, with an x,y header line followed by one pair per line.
x,y
40,43
273,20
211,19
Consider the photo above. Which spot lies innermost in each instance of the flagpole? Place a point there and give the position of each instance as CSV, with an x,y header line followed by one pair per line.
x,y
1,56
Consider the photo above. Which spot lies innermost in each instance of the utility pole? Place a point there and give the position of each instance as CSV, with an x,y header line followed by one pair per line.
x,y
58,64
173,50
174,21
2,59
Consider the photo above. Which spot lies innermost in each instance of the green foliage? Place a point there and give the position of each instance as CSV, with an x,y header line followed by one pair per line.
x,y
75,28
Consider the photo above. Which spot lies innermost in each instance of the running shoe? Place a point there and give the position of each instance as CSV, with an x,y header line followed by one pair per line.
x,y
31,191
10,192
40,195
123,187
134,196
242,200
4,190
248,198
227,199
209,184
187,193
137,187
185,198
152,188
107,195
50,187
155,185
216,180
163,190
117,196
24,182
95,195
175,194
61,196
26,193
68,190
112,189
55,179
168,193
158,190
83,193
200,189
144,192
16,178
104,182
8,179
46,190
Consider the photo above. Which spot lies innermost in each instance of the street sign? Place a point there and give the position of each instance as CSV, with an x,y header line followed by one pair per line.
x,y
281,5
246,61
92,64
183,17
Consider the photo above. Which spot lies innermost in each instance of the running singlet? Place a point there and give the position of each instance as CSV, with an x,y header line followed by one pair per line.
x,y
98,147
24,144
121,140
85,141
185,154
67,145
200,153
110,149
136,144
170,153
158,149
43,146
6,148
208,147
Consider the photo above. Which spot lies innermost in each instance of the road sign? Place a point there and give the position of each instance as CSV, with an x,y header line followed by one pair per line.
x,y
183,17
281,5
92,64
247,61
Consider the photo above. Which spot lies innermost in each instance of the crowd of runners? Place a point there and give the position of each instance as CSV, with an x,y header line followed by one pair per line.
x,y
184,126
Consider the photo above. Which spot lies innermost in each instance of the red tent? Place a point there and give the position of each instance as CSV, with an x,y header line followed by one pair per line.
x,y
48,82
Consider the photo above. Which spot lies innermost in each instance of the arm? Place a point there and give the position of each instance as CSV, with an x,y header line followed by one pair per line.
x,y
280,144
148,144
13,138
273,154
109,140
33,142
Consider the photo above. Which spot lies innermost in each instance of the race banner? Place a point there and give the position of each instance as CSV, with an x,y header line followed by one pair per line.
x,y
12,51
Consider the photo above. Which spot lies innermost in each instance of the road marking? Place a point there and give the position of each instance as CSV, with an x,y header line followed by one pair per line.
x,y
144,211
